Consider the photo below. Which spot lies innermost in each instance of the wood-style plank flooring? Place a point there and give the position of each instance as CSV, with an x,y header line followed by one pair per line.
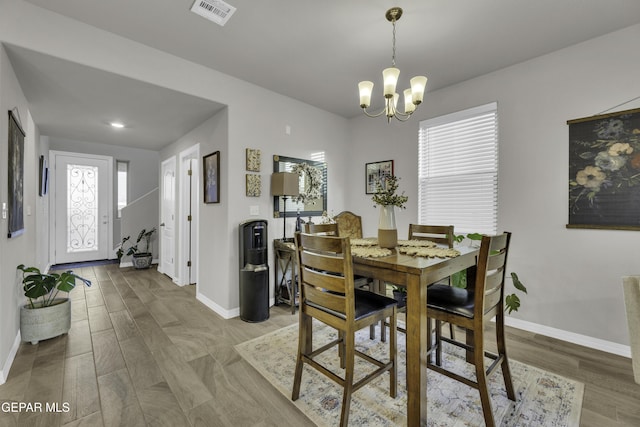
x,y
142,351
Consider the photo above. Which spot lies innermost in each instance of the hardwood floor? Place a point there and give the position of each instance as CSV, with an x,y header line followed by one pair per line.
x,y
142,351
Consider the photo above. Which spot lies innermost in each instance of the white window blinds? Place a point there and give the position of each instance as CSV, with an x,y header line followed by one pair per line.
x,y
458,170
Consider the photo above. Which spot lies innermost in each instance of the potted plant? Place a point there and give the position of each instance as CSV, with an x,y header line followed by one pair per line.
x,y
459,279
400,295
45,315
142,252
388,200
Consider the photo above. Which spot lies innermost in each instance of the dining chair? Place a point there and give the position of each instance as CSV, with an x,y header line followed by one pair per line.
x,y
472,309
349,224
442,234
327,294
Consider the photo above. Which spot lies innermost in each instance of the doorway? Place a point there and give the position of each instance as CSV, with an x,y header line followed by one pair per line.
x,y
168,218
81,205
189,202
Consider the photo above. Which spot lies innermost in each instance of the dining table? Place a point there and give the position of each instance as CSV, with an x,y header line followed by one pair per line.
x,y
416,273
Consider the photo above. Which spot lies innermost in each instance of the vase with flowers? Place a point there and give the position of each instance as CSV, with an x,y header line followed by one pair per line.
x,y
387,198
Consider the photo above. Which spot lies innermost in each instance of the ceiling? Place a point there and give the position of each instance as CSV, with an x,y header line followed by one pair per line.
x,y
313,51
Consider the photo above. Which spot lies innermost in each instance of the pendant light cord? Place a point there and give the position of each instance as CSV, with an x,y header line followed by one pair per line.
x,y
616,106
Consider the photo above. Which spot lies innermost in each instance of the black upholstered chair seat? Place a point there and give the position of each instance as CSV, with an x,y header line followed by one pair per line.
x,y
451,299
366,302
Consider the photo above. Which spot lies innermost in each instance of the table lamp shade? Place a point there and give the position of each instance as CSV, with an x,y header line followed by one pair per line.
x,y
285,184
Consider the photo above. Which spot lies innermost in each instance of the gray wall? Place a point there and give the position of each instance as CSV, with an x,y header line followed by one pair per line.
x,y
20,249
573,276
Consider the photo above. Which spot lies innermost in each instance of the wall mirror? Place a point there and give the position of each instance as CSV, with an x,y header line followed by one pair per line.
x,y
306,207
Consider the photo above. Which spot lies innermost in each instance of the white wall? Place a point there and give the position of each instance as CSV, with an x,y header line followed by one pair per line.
x,y
22,248
573,276
138,216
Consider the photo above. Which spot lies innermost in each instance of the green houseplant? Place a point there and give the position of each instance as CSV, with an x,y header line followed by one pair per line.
x,y
46,315
400,295
142,252
459,279
387,198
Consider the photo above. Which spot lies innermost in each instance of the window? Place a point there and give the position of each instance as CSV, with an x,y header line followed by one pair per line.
x,y
458,170
122,169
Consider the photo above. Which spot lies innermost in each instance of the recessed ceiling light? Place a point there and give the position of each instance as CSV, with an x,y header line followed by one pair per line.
x,y
116,125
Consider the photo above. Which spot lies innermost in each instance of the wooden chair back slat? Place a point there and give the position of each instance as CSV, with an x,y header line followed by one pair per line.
x,y
325,229
442,234
330,301
322,262
323,280
496,261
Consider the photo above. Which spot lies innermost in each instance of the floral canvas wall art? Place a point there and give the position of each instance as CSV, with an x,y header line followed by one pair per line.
x,y
604,171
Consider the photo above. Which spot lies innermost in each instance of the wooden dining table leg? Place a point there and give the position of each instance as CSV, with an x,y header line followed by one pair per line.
x,y
416,351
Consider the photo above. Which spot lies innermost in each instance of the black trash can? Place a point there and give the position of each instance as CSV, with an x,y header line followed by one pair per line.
x,y
254,271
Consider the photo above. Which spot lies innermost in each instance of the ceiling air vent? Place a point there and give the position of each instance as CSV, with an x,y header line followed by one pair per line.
x,y
214,10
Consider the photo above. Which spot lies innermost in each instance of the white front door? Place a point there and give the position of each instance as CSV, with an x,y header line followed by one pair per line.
x,y
168,217
81,206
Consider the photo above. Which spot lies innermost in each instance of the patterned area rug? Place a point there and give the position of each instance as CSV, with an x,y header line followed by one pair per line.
x,y
543,398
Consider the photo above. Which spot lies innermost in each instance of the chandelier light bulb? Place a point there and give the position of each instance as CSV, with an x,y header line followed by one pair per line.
x,y
390,78
418,85
409,106
365,88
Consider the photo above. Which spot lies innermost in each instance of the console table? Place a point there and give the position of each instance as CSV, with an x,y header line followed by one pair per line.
x,y
285,271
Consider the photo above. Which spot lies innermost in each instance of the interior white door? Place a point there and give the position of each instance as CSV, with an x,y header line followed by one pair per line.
x,y
82,207
192,221
167,217
187,219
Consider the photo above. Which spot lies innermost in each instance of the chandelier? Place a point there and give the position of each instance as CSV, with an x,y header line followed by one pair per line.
x,y
412,97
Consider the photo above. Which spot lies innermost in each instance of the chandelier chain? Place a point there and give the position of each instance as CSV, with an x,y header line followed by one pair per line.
x,y
393,52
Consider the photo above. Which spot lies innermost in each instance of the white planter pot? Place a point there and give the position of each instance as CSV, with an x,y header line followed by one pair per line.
x,y
142,261
387,231
37,324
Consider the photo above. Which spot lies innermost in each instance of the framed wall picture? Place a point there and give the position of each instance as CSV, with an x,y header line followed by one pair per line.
x,y
16,177
253,160
43,177
254,185
211,172
375,173
604,171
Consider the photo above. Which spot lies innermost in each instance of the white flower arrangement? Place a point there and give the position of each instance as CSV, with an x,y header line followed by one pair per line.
x,y
313,183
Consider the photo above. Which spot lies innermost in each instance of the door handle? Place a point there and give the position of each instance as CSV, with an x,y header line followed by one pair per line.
x,y
162,225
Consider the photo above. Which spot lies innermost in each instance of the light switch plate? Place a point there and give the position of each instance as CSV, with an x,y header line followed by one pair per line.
x,y
254,210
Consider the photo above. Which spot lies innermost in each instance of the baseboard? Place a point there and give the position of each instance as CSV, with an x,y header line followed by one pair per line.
x,y
4,374
583,340
224,313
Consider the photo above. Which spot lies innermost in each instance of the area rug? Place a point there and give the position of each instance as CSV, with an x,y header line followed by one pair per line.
x,y
543,398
